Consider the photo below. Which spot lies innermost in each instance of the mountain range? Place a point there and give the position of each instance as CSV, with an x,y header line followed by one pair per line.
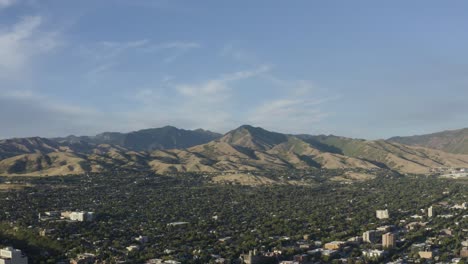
x,y
169,149
454,141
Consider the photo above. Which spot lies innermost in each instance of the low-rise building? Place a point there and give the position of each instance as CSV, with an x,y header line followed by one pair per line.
x,y
373,253
382,214
464,252
386,228
254,257
334,245
10,255
81,216
142,239
425,254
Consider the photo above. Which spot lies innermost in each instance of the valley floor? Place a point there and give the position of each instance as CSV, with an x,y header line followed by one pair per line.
x,y
193,218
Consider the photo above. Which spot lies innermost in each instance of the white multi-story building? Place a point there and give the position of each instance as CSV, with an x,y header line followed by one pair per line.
x,y
10,255
77,216
430,212
373,253
81,216
382,214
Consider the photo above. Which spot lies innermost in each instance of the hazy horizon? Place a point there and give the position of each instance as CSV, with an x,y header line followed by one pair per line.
x,y
225,132
362,69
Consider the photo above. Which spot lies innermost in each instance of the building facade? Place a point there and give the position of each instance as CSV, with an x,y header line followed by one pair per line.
x,y
382,214
430,212
388,240
10,255
370,236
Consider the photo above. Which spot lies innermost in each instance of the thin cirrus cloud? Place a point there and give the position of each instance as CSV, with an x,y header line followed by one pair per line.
x,y
112,49
7,3
292,115
215,88
40,106
26,113
217,104
177,49
22,42
105,55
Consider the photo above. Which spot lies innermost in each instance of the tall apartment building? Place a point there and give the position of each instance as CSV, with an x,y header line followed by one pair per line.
x,y
430,212
370,236
388,240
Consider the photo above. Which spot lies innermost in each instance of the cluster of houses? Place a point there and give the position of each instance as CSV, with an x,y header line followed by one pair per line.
x,y
373,244
454,173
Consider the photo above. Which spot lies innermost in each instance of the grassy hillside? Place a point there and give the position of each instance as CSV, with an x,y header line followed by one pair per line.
x,y
246,148
453,141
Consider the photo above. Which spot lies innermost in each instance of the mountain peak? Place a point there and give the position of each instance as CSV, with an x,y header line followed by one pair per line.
x,y
255,138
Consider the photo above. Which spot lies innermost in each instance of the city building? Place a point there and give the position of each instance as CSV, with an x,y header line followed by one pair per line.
x,y
386,228
370,236
388,240
382,214
430,212
460,206
373,253
80,216
334,245
425,254
464,252
10,255
142,239
253,257
355,240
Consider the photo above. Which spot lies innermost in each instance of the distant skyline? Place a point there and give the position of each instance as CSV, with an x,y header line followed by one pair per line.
x,y
364,69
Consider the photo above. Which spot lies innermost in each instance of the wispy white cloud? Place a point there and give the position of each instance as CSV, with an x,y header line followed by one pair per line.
x,y
215,89
112,49
176,45
214,103
7,3
177,49
105,55
237,54
281,110
29,113
20,43
297,111
206,104
46,102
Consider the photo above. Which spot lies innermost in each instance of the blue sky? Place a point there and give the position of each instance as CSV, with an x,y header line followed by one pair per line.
x,y
367,69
